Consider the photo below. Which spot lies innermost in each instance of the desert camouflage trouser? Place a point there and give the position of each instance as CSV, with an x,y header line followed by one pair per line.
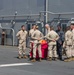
x,y
22,48
52,51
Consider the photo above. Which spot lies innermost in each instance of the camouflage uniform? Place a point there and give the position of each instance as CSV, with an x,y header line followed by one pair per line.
x,y
37,34
52,37
22,41
30,34
68,43
31,40
73,44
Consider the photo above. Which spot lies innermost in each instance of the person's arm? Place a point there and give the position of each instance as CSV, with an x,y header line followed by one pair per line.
x,y
41,36
26,34
73,34
57,37
66,36
62,36
48,37
30,33
64,44
33,36
18,35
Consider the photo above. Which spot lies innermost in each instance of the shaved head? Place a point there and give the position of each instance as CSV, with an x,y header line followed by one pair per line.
x,y
47,25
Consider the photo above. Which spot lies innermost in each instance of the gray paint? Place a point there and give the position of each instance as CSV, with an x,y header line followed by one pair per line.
x,y
61,5
8,55
9,7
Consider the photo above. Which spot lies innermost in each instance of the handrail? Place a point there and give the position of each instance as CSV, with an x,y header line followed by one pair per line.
x,y
63,13
27,15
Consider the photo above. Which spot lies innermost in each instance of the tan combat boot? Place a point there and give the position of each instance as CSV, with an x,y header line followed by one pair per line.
x,y
33,60
49,59
67,60
25,57
70,58
55,58
20,56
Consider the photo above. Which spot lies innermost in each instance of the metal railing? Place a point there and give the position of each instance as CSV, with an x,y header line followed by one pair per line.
x,y
12,20
25,15
63,13
52,15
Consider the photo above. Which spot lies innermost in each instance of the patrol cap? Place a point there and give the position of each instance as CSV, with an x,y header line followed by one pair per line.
x,y
72,22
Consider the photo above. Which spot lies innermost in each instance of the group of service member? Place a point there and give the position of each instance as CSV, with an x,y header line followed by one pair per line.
x,y
57,41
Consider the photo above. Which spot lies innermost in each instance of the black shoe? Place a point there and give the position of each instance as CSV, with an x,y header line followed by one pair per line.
x,y
60,59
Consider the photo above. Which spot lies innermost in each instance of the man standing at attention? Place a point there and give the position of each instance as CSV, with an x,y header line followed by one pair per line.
x,y
52,37
22,35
